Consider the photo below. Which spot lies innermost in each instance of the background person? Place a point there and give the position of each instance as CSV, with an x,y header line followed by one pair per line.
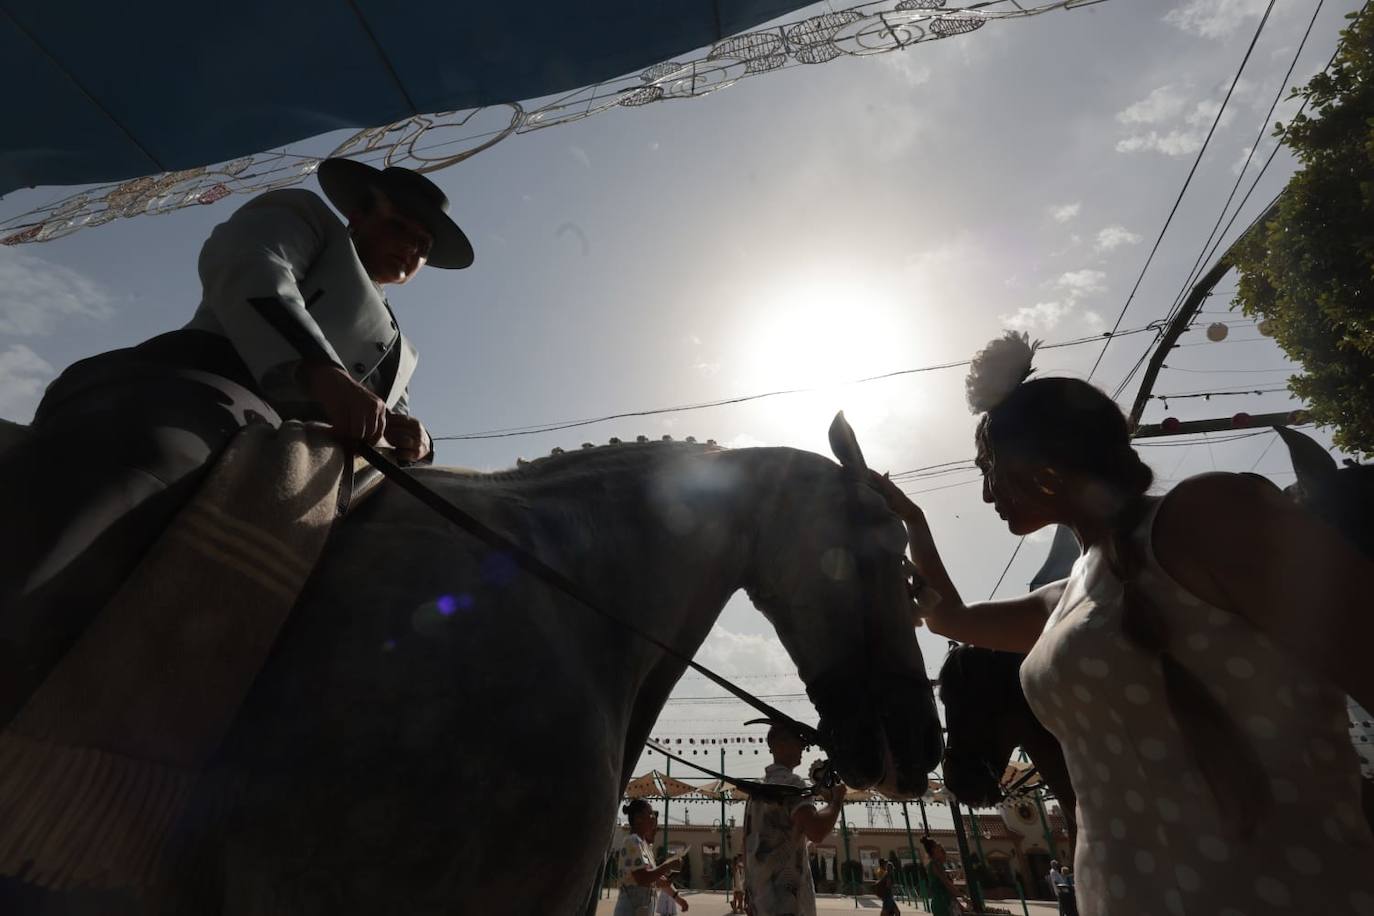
x,y
640,878
777,866
944,896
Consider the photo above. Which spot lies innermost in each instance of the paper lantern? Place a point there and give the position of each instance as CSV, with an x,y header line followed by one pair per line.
x,y
1241,420
1170,425
1217,331
1265,327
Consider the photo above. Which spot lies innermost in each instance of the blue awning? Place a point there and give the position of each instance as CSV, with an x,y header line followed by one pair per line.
x,y
99,91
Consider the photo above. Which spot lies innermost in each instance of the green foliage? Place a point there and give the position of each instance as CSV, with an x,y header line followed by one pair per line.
x,y
851,874
1310,269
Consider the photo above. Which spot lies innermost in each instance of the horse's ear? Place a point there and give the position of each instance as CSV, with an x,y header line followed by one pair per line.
x,y
845,446
1313,465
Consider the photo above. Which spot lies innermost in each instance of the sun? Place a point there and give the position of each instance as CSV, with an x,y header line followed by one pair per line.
x,y
822,335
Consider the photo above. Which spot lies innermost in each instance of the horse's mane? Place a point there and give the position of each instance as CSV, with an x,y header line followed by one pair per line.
x,y
592,460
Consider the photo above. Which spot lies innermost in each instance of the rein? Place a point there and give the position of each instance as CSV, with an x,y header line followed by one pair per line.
x,y
541,570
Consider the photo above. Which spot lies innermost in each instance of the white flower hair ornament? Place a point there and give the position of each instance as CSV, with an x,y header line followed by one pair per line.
x,y
997,369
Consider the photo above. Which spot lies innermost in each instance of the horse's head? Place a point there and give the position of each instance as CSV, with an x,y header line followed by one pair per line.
x,y
987,717
1342,496
827,572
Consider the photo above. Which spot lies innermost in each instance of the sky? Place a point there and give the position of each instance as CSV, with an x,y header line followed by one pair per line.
x,y
803,228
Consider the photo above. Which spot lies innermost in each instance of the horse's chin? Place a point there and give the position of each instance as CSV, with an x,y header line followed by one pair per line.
x,y
880,744
978,792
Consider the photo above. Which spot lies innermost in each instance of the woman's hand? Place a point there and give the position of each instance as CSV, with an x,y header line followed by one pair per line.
x,y
892,494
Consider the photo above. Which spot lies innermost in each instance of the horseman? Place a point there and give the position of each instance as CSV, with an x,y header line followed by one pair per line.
x,y
293,324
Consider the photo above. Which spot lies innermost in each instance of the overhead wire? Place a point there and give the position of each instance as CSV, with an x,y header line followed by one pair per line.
x,y
1187,181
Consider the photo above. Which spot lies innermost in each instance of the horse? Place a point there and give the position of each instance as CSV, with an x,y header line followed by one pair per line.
x,y
986,712
430,715
987,718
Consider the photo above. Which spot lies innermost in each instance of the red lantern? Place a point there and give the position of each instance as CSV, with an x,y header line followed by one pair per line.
x,y
1170,425
1240,420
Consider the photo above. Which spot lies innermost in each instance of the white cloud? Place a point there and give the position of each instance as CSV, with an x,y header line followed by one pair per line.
x,y
730,653
1214,18
1172,143
908,67
1160,105
36,294
1079,283
1041,316
1113,237
581,156
1094,320
706,368
23,374
1065,212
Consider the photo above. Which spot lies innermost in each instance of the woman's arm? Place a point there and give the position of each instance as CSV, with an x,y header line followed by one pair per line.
x,y
645,877
1011,625
1240,544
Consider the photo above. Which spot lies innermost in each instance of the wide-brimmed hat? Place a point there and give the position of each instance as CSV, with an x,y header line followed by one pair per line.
x,y
347,184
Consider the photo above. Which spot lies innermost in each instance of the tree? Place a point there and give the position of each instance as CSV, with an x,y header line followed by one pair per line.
x,y
1309,270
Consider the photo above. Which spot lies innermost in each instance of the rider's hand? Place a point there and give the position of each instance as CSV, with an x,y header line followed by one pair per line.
x,y
356,414
409,437
835,794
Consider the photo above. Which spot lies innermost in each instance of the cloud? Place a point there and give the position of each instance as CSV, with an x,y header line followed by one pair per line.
x,y
1041,316
36,294
23,374
731,653
744,440
1214,18
1065,212
1175,127
581,156
706,368
1113,237
908,67
1079,283
1094,320
1161,104
1172,143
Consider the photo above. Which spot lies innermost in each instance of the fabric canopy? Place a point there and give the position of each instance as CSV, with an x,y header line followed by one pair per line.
x,y
105,91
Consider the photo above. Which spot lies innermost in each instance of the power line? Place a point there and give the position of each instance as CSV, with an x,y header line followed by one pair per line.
x,y
1187,181
555,426
1203,253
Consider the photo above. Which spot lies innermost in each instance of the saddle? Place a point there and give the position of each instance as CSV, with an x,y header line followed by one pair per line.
x,y
99,763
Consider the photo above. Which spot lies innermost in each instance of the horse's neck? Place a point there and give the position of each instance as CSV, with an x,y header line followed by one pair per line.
x,y
632,527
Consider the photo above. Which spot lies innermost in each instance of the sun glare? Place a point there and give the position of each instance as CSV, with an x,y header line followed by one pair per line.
x,y
823,336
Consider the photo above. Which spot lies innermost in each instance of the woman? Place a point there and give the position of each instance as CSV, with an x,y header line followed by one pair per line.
x,y
1193,665
640,879
737,885
944,897
882,888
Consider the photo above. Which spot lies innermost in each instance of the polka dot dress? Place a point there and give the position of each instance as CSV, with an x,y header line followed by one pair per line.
x,y
1150,842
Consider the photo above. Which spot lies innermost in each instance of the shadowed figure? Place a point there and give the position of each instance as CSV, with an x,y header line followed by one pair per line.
x,y
427,702
986,712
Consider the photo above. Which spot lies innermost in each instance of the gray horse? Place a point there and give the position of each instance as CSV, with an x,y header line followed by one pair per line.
x,y
438,732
